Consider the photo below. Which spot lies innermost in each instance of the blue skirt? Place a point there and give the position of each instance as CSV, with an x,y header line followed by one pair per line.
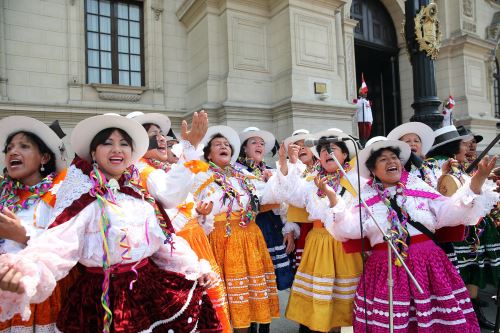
x,y
271,226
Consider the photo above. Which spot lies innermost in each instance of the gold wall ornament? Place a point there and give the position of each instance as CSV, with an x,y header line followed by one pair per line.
x,y
427,30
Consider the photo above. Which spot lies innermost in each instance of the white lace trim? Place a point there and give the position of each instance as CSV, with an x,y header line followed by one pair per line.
x,y
50,328
75,184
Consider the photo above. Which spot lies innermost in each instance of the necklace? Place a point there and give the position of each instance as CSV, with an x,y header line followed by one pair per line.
x,y
231,194
11,189
399,230
157,164
257,169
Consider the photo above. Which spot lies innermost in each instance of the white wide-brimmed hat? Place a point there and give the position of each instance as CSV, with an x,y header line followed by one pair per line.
x,y
297,135
339,133
424,132
14,124
448,134
87,129
230,134
251,132
377,143
157,119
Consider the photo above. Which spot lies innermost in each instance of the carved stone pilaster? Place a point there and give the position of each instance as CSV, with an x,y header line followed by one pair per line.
x,y
157,12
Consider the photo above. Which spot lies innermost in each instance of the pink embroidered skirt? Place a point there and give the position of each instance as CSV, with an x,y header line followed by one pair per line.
x,y
160,301
443,307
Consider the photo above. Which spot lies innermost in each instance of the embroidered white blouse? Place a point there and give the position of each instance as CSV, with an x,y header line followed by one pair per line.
x,y
423,205
206,190
133,222
35,219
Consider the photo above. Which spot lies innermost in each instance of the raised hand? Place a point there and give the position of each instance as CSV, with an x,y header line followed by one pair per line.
x,y
322,184
199,126
204,208
11,227
10,280
449,165
484,168
266,175
293,152
282,159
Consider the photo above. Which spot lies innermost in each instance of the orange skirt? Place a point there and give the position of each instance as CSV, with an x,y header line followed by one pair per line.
x,y
193,233
44,315
247,270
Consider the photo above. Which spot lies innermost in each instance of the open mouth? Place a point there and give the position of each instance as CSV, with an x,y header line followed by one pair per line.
x,y
14,163
392,169
302,154
116,160
224,153
161,150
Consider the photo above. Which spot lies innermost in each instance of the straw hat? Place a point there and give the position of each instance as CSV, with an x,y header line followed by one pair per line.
x,y
377,143
424,132
87,129
448,134
251,132
14,124
339,133
157,119
230,134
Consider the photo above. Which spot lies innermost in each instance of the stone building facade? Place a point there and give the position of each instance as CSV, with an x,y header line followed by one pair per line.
x,y
276,64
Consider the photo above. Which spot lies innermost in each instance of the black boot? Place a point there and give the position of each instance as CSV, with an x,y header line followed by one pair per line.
x,y
481,318
253,328
264,328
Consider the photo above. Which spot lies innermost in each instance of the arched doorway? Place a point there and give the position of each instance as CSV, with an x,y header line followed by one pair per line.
x,y
376,50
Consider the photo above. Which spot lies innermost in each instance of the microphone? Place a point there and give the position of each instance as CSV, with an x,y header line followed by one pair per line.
x,y
315,142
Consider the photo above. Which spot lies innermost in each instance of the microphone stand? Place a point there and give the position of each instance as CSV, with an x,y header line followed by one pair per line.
x,y
390,248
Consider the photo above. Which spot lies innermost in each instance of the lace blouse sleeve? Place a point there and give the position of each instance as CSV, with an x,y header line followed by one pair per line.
x,y
47,259
464,207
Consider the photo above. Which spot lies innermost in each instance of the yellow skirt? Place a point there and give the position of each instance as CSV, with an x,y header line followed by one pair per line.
x,y
247,270
325,284
193,233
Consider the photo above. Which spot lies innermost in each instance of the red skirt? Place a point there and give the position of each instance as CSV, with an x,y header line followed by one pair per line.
x,y
301,242
158,302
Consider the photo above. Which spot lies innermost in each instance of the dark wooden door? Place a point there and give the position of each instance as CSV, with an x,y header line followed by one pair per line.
x,y
376,53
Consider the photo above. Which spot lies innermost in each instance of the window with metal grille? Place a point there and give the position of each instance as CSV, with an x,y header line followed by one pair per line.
x,y
114,42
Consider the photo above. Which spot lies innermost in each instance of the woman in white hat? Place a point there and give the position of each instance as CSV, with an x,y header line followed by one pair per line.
x,y
34,167
295,214
255,144
478,255
449,144
410,211
157,126
322,294
189,217
132,262
420,138
236,240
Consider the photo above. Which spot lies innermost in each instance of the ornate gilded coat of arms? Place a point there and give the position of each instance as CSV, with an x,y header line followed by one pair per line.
x,y
427,30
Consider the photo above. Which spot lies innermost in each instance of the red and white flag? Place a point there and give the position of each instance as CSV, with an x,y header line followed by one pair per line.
x,y
364,88
450,103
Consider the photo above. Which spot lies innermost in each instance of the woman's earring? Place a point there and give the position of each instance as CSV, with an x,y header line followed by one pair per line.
x,y
42,168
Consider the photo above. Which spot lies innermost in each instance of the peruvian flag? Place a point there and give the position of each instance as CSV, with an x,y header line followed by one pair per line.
x,y
364,88
451,102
